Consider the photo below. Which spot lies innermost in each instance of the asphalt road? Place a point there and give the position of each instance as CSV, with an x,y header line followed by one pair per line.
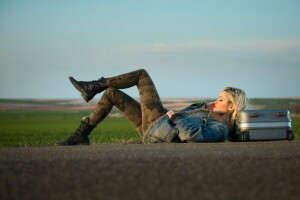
x,y
253,170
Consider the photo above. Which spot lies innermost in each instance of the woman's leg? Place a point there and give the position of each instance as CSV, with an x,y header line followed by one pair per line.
x,y
150,103
149,109
140,114
114,97
111,97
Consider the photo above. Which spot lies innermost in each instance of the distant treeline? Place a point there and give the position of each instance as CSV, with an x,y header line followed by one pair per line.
x,y
32,101
293,105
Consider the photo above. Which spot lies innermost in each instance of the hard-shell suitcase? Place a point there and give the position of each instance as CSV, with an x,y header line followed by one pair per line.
x,y
257,125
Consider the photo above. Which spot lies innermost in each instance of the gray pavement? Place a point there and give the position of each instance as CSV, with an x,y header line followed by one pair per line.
x,y
253,170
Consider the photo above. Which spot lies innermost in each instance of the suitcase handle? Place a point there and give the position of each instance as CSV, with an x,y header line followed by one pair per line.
x,y
280,114
254,114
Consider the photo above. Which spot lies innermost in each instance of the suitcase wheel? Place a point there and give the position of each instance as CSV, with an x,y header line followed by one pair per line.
x,y
290,135
244,136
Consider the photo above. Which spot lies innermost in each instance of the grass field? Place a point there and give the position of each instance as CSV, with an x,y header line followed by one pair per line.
x,y
42,128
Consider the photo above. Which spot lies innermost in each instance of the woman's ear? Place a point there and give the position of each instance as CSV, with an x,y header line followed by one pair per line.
x,y
231,107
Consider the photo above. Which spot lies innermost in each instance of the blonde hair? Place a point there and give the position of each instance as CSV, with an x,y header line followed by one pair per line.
x,y
238,98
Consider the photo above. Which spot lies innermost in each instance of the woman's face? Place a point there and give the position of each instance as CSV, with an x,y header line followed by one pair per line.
x,y
222,104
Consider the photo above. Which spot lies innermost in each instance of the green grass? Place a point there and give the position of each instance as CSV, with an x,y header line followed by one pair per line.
x,y
273,103
296,127
42,128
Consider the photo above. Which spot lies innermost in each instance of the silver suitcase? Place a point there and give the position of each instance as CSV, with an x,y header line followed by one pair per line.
x,y
258,125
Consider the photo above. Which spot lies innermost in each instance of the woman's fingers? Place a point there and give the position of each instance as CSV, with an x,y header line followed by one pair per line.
x,y
170,113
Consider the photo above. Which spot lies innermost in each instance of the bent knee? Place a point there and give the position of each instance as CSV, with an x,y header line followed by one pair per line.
x,y
111,90
114,94
143,72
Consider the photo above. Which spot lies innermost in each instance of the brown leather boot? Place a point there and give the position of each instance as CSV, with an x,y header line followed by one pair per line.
x,y
89,89
79,136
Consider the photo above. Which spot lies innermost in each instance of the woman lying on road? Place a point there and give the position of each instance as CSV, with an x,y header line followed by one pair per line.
x,y
200,122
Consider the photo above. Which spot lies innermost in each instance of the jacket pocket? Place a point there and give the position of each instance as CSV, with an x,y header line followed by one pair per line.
x,y
162,130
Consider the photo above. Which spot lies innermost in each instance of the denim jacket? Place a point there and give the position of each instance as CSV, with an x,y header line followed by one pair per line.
x,y
190,125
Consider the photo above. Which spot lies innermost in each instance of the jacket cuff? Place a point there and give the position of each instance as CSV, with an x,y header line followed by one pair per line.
x,y
174,119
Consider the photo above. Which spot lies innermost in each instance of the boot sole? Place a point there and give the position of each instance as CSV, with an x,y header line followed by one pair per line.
x,y
83,93
60,144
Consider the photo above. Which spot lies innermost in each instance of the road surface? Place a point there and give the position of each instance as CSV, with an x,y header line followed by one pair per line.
x,y
252,170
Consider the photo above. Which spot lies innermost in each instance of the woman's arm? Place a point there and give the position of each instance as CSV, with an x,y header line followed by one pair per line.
x,y
189,130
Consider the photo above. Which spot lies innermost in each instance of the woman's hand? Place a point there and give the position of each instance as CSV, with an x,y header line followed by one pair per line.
x,y
170,113
211,105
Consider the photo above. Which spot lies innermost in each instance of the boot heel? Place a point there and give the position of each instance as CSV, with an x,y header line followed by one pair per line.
x,y
89,89
79,136
85,97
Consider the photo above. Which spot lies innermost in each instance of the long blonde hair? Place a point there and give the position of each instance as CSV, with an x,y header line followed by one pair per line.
x,y
238,98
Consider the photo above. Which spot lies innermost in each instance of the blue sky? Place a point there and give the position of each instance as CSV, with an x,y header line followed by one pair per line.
x,y
190,48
